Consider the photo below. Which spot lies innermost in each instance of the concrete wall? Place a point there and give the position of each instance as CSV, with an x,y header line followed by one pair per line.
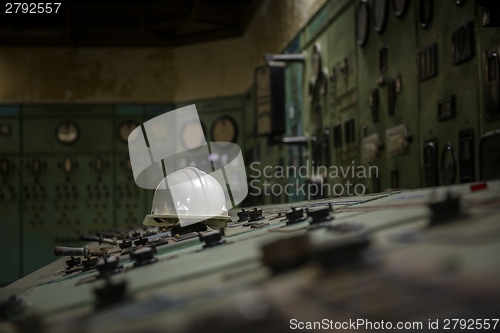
x,y
116,75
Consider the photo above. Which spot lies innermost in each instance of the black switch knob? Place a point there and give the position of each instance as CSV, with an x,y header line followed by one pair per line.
x,y
99,239
243,215
320,214
111,293
89,263
255,214
107,266
14,306
141,241
296,215
446,210
285,254
348,251
144,256
212,238
125,244
149,233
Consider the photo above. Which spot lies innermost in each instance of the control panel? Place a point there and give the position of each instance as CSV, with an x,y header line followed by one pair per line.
x,y
377,260
10,195
67,183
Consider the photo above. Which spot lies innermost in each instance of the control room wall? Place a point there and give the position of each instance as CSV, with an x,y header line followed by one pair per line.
x,y
206,70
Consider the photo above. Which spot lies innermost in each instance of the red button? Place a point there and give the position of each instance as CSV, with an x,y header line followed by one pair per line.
x,y
477,187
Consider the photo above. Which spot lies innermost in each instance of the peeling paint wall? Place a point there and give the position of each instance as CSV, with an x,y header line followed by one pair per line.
x,y
123,75
85,75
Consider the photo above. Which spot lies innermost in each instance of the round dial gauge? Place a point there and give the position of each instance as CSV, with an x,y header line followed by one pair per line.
x,y
400,7
379,15
5,129
425,12
316,60
224,130
448,165
125,129
193,135
362,18
67,132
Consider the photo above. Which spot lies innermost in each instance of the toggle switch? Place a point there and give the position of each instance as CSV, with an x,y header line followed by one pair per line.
x,y
144,256
295,215
74,261
255,214
111,293
446,210
107,266
285,254
212,238
320,214
243,215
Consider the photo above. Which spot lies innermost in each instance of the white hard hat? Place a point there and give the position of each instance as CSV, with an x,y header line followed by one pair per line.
x,y
187,196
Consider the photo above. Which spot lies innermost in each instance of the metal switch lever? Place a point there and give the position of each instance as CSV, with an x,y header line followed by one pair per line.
x,y
295,215
98,239
320,214
243,215
78,251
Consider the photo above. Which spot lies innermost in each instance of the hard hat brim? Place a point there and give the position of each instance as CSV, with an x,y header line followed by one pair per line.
x,y
171,220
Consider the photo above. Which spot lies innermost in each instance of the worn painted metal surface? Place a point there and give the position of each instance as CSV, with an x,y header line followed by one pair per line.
x,y
385,257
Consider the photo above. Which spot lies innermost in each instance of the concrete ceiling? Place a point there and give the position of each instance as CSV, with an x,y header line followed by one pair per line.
x,y
92,23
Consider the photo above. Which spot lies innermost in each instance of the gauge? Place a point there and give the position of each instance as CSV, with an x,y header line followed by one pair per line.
x,y
448,165
425,12
316,62
125,129
224,130
5,129
399,7
67,165
362,22
4,166
67,132
193,135
379,15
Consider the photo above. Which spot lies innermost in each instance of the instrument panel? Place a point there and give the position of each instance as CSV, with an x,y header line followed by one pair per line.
x,y
275,266
362,22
